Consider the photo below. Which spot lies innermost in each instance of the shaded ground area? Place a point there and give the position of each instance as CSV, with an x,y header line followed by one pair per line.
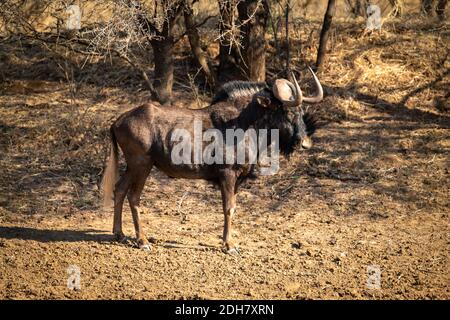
x,y
373,192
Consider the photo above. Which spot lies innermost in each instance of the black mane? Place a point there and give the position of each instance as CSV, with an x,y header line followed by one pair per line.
x,y
237,89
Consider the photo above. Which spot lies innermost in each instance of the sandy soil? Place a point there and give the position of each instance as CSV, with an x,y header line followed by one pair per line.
x,y
310,232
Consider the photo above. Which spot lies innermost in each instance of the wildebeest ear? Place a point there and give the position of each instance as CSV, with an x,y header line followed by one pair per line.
x,y
264,101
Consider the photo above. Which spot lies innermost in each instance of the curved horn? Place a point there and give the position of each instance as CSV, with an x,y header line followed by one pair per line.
x,y
319,95
298,92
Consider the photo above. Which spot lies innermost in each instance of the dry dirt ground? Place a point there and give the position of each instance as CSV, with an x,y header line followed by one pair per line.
x,y
373,192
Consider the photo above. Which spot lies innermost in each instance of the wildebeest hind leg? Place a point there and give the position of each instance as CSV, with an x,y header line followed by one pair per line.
x,y
228,190
120,191
134,196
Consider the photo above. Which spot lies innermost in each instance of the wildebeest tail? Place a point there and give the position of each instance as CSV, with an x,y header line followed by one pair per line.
x,y
111,170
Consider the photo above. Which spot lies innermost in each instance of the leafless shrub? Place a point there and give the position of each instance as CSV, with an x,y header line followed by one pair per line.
x,y
121,31
357,8
231,34
397,7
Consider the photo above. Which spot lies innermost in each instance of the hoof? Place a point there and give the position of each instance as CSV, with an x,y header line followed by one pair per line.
x,y
143,244
233,251
120,237
230,249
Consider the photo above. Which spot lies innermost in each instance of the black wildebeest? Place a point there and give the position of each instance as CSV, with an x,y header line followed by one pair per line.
x,y
144,135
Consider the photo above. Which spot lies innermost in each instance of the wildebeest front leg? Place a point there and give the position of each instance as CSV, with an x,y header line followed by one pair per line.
x,y
227,187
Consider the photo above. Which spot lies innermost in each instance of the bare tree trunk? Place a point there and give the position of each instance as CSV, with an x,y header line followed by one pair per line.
x,y
254,44
288,45
430,8
357,7
427,7
163,78
162,45
440,9
274,29
328,18
199,55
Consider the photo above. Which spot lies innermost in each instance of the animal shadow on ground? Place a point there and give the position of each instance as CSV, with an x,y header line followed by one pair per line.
x,y
45,235
87,235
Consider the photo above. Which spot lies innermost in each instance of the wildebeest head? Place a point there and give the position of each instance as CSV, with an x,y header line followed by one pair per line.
x,y
285,102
